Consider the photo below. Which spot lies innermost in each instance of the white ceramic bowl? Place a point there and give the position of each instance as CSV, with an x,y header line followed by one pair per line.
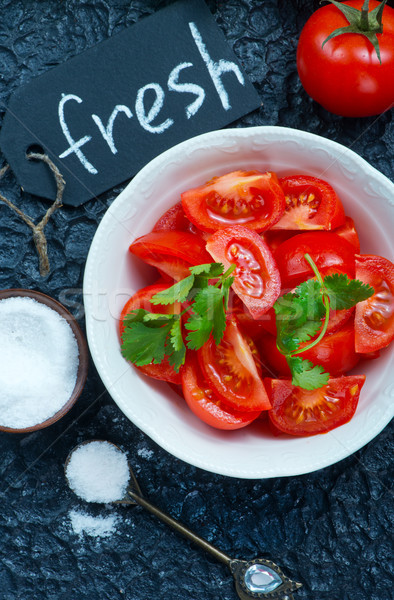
x,y
112,275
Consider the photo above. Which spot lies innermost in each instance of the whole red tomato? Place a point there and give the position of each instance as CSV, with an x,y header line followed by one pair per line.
x,y
345,75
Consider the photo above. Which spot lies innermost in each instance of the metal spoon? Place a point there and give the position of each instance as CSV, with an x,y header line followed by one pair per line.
x,y
258,578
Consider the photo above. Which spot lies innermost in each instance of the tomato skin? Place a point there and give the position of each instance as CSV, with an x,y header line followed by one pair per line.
x,y
249,198
257,280
205,405
311,203
232,371
172,252
374,321
141,299
253,328
335,353
348,232
345,76
330,252
296,411
275,237
175,219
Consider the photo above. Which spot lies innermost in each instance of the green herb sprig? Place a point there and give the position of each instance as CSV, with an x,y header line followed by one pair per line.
x,y
299,318
150,337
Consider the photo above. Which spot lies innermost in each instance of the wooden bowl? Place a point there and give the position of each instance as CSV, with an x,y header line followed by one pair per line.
x,y
82,349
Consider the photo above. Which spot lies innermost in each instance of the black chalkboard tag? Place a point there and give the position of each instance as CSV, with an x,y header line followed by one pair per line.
x,y
104,114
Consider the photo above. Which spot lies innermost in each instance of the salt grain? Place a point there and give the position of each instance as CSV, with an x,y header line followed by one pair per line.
x,y
94,526
38,362
97,471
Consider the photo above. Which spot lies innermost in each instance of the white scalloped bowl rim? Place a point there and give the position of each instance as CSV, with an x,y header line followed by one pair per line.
x,y
112,275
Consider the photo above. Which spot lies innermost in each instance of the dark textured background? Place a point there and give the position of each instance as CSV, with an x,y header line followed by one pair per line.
x,y
330,529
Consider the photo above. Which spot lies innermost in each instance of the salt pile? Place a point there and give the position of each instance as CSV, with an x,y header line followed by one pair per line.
x,y
94,526
98,471
38,362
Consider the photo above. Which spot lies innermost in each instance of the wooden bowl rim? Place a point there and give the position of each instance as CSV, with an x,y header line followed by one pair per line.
x,y
83,357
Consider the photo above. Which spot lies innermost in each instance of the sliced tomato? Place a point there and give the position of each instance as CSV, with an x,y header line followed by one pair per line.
x,y
248,198
330,252
232,370
276,237
257,280
307,412
172,252
253,328
205,404
348,232
335,352
141,299
374,322
175,219
311,203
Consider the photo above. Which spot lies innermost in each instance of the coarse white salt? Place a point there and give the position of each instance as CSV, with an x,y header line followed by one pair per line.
x,y
94,526
38,362
98,471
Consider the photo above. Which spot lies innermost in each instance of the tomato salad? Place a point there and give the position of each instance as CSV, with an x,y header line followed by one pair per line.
x,y
262,305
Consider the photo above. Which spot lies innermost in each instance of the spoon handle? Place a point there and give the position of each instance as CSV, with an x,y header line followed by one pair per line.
x,y
224,558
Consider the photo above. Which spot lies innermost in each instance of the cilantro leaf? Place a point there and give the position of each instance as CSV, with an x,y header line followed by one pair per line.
x,y
142,344
309,296
307,331
159,318
344,292
287,342
305,374
210,270
176,347
177,358
208,317
209,305
176,335
298,316
135,315
293,310
176,293
199,331
150,337
227,283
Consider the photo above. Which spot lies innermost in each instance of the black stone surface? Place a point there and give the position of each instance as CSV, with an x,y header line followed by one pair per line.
x,y
331,529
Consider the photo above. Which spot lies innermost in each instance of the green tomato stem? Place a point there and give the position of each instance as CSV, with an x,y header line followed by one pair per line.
x,y
364,21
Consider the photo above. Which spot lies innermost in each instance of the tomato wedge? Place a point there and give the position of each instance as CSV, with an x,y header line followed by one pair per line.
x,y
172,252
374,322
302,412
253,328
205,404
232,371
257,279
348,232
311,203
330,252
335,352
276,237
141,299
248,198
175,219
